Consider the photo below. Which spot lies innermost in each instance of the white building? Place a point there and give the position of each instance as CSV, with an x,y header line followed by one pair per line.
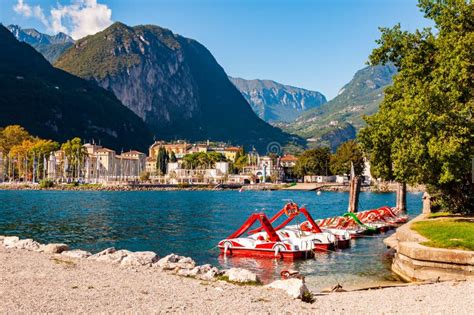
x,y
175,174
319,179
342,179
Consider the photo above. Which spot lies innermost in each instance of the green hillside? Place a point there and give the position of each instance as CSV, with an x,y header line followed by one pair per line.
x,y
54,104
361,96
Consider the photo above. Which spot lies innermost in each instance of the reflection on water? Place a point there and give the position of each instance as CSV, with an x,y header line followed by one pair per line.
x,y
191,223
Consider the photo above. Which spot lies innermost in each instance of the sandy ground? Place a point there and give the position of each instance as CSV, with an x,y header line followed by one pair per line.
x,y
37,282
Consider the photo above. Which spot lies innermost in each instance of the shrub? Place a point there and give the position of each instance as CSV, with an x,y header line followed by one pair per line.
x,y
46,183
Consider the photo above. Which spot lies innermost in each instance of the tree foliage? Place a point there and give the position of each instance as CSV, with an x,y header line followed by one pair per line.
x,y
313,162
162,159
75,154
173,158
26,152
423,132
348,152
202,160
11,136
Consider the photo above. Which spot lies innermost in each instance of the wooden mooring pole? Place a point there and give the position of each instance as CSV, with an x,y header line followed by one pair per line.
x,y
354,191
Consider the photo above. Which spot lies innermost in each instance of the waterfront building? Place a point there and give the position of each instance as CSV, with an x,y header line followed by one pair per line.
x,y
342,179
262,169
130,165
150,165
288,161
231,153
319,179
179,148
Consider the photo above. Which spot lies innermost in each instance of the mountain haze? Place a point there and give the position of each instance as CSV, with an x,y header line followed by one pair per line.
x,y
173,83
276,102
50,46
54,104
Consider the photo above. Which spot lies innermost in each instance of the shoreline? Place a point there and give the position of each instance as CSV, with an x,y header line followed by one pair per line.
x,y
51,282
195,187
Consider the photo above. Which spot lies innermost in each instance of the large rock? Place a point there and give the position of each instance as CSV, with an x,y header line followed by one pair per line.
x,y
176,262
210,275
106,251
140,259
76,253
27,244
295,288
15,242
242,275
203,272
54,248
113,256
9,241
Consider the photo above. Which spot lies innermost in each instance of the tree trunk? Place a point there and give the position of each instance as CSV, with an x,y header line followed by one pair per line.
x,y
354,191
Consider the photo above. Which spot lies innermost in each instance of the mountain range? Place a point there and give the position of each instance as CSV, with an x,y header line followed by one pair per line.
x,y
51,47
276,102
178,89
54,104
173,83
339,119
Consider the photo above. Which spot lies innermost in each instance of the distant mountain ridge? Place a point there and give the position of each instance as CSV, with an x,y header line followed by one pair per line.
x,y
276,102
173,83
361,96
50,46
54,104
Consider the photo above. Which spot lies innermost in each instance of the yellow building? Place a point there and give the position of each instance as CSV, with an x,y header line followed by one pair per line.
x,y
150,166
231,153
179,148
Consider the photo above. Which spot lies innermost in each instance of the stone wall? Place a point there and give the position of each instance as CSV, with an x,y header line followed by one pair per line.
x,y
415,262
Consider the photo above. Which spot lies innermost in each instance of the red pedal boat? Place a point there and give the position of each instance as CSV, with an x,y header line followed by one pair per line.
x,y
287,242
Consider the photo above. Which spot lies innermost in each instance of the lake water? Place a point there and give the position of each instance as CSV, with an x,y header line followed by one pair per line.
x,y
191,223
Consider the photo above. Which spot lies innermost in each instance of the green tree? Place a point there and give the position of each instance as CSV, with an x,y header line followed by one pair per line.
x,y
162,160
241,162
75,154
347,152
313,162
173,158
11,136
202,160
216,157
239,154
423,132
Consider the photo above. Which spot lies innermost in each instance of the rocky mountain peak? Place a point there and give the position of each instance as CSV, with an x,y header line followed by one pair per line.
x,y
173,83
276,102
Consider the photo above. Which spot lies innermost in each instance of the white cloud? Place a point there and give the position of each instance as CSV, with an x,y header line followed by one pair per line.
x,y
78,19
30,11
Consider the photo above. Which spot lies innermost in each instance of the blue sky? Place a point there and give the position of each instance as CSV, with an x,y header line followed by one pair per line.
x,y
316,44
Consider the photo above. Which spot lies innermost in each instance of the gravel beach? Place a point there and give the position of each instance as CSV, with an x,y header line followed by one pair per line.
x,y
48,283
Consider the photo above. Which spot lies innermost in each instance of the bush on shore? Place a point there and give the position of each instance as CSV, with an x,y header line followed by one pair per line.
x,y
46,183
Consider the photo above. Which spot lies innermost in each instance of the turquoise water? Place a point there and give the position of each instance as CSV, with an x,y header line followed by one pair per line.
x,y
191,223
